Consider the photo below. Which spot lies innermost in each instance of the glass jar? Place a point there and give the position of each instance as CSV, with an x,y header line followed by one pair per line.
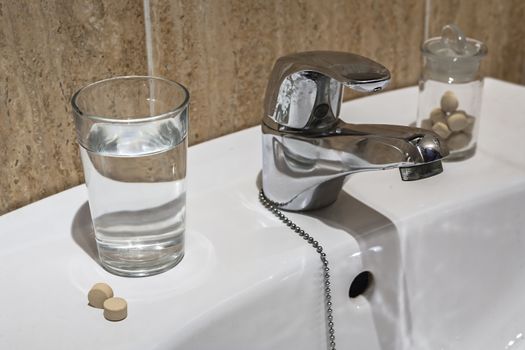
x,y
450,90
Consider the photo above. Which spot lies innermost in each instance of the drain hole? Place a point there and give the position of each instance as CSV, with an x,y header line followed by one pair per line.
x,y
361,284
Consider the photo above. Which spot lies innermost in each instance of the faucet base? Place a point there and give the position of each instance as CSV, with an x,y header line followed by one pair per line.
x,y
313,198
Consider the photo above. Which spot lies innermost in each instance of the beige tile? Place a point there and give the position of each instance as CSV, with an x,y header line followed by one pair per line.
x,y
224,50
49,49
498,23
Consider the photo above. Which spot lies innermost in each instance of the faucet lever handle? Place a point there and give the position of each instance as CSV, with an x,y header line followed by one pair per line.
x,y
305,89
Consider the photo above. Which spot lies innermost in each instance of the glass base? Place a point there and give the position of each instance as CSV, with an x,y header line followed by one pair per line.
x,y
143,272
140,256
456,156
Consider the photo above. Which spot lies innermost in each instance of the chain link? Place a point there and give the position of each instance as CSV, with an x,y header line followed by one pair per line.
x,y
272,207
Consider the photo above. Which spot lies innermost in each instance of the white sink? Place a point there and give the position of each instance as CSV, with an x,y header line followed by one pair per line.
x,y
447,254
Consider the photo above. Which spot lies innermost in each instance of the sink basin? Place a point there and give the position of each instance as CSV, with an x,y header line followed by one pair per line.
x,y
447,255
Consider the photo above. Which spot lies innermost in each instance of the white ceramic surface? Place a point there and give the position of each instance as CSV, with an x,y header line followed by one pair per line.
x,y
447,254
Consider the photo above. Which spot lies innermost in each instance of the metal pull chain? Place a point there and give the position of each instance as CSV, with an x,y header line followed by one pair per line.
x,y
272,207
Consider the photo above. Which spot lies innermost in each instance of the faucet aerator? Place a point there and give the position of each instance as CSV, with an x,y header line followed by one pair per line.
x,y
421,171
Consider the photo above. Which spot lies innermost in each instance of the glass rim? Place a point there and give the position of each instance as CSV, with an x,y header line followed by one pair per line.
x,y
480,53
97,118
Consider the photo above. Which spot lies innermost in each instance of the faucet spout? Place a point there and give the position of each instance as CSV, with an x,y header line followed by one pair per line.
x,y
304,171
379,145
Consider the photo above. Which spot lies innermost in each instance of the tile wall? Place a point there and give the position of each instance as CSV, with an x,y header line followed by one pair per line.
x,y
222,50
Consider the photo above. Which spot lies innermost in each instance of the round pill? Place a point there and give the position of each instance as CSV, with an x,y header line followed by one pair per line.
x,y
449,102
441,129
98,294
470,126
457,141
426,124
115,309
437,115
457,121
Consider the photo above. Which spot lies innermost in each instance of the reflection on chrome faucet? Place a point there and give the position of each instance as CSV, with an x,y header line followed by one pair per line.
x,y
308,151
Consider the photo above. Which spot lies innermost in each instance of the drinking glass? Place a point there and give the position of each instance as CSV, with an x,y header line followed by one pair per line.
x,y
132,136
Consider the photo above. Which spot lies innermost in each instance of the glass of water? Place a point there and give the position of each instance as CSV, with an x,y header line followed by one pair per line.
x,y
132,135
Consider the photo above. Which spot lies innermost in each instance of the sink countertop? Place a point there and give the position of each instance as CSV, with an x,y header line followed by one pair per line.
x,y
48,266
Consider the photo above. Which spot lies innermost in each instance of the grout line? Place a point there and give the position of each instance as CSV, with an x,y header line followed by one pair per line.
x,y
427,19
149,55
147,28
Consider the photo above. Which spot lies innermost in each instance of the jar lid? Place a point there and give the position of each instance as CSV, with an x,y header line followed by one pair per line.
x,y
452,57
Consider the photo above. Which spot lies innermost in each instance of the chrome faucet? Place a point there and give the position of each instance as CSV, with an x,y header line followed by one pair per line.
x,y
308,151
